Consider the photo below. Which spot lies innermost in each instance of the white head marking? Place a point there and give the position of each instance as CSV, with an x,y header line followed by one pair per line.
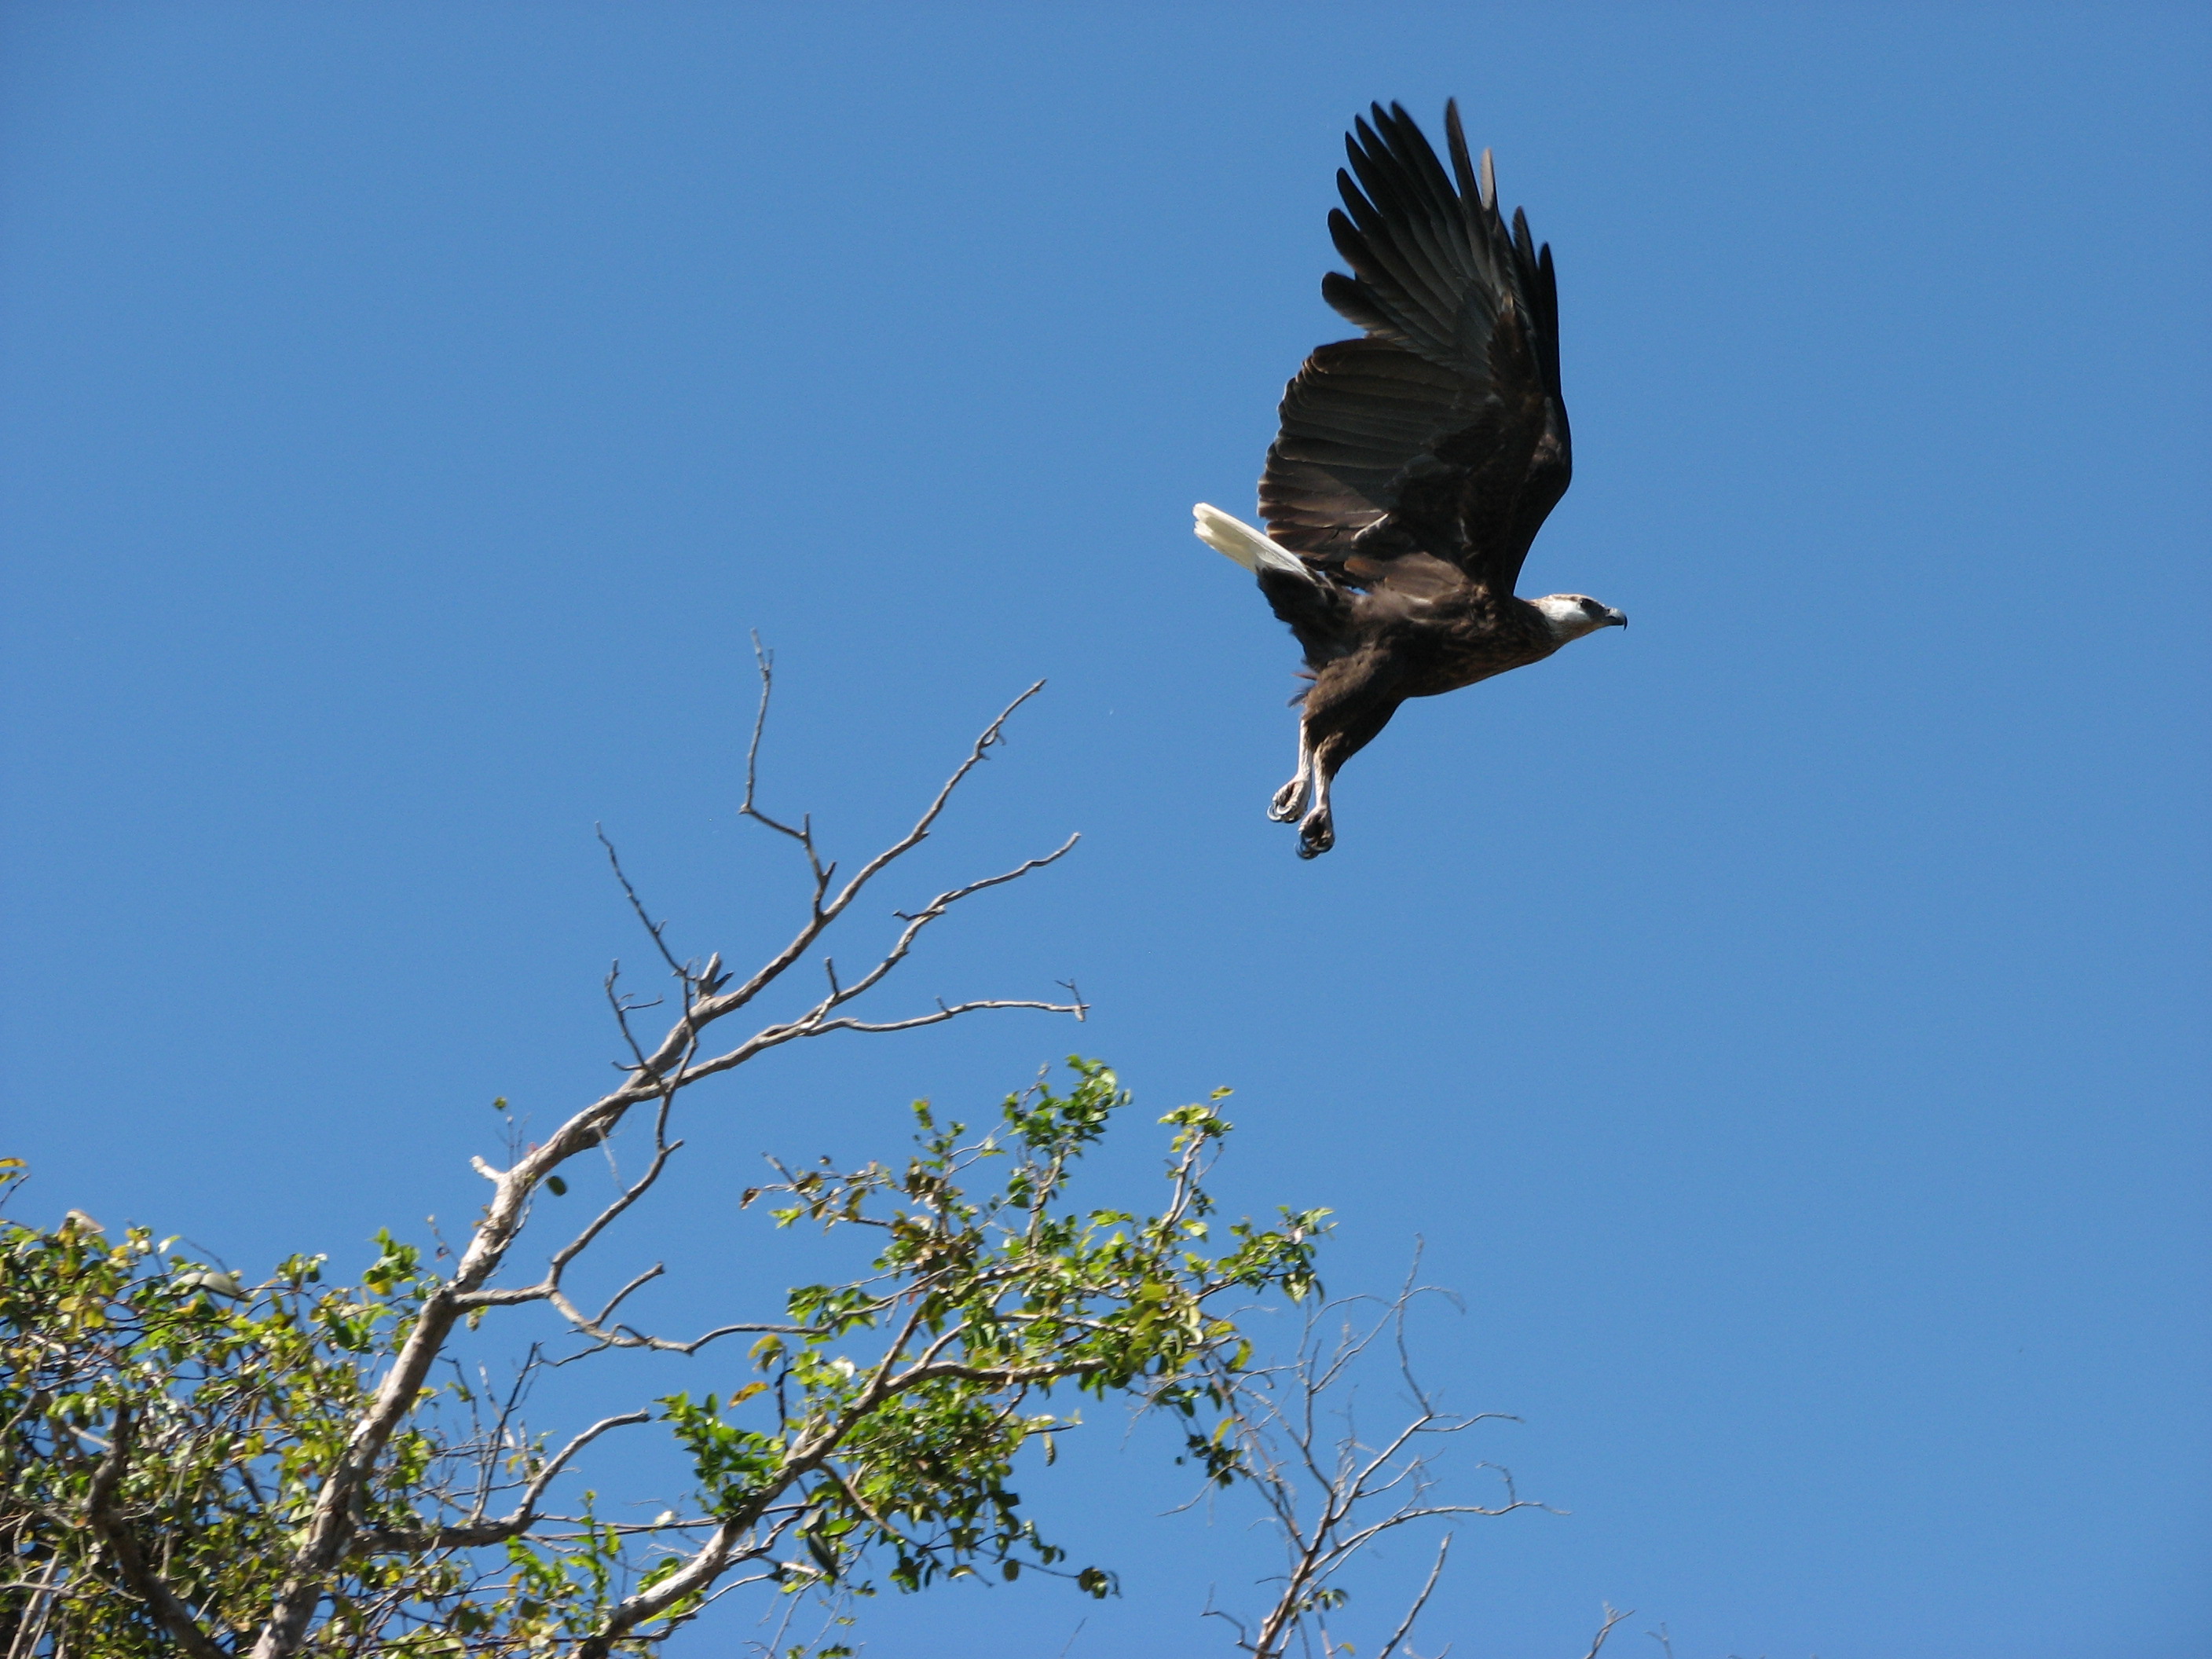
x,y
1570,616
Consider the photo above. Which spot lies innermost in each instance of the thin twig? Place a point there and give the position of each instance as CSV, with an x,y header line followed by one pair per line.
x,y
655,930
1406,1625
1612,1618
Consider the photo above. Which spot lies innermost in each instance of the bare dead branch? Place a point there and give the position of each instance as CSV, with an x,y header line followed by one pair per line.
x,y
1330,1494
822,914
1612,1618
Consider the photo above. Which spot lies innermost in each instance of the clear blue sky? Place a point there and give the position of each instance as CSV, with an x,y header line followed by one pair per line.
x,y
1784,1021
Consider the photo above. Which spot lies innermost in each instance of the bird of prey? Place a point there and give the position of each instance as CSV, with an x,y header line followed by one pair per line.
x,y
1415,465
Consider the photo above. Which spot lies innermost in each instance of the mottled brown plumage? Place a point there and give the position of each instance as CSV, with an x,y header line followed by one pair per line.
x,y
1413,466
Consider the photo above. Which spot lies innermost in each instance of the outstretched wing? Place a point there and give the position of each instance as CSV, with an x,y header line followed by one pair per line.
x,y
1441,434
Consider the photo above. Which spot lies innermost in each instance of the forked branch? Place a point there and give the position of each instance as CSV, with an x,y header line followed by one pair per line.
x,y
480,1530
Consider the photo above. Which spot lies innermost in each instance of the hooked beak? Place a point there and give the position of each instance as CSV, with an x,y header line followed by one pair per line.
x,y
1616,618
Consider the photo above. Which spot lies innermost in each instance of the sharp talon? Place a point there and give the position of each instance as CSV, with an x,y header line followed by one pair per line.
x,y
1289,803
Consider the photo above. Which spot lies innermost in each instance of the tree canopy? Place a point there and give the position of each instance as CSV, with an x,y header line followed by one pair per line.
x,y
170,1427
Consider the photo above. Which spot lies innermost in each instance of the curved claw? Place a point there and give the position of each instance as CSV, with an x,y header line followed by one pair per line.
x,y
1317,833
1290,801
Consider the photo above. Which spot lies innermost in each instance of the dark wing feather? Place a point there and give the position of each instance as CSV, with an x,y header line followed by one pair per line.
x,y
1442,435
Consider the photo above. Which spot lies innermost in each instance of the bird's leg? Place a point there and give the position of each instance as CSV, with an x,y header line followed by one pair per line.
x,y
1333,734
1317,830
1291,799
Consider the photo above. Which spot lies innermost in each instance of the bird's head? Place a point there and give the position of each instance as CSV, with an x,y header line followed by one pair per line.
x,y
1570,616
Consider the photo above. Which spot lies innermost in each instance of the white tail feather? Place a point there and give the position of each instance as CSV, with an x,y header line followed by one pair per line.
x,y
1235,539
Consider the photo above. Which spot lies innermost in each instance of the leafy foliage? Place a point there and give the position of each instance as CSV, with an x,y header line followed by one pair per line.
x,y
980,1305
167,1430
168,1425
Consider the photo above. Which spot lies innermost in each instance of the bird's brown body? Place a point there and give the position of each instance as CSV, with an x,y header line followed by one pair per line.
x,y
1415,466
1397,651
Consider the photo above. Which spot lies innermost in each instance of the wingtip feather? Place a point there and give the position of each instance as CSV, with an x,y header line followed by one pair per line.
x,y
1455,142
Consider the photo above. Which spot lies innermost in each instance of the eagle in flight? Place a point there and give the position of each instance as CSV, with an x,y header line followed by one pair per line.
x,y
1415,466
